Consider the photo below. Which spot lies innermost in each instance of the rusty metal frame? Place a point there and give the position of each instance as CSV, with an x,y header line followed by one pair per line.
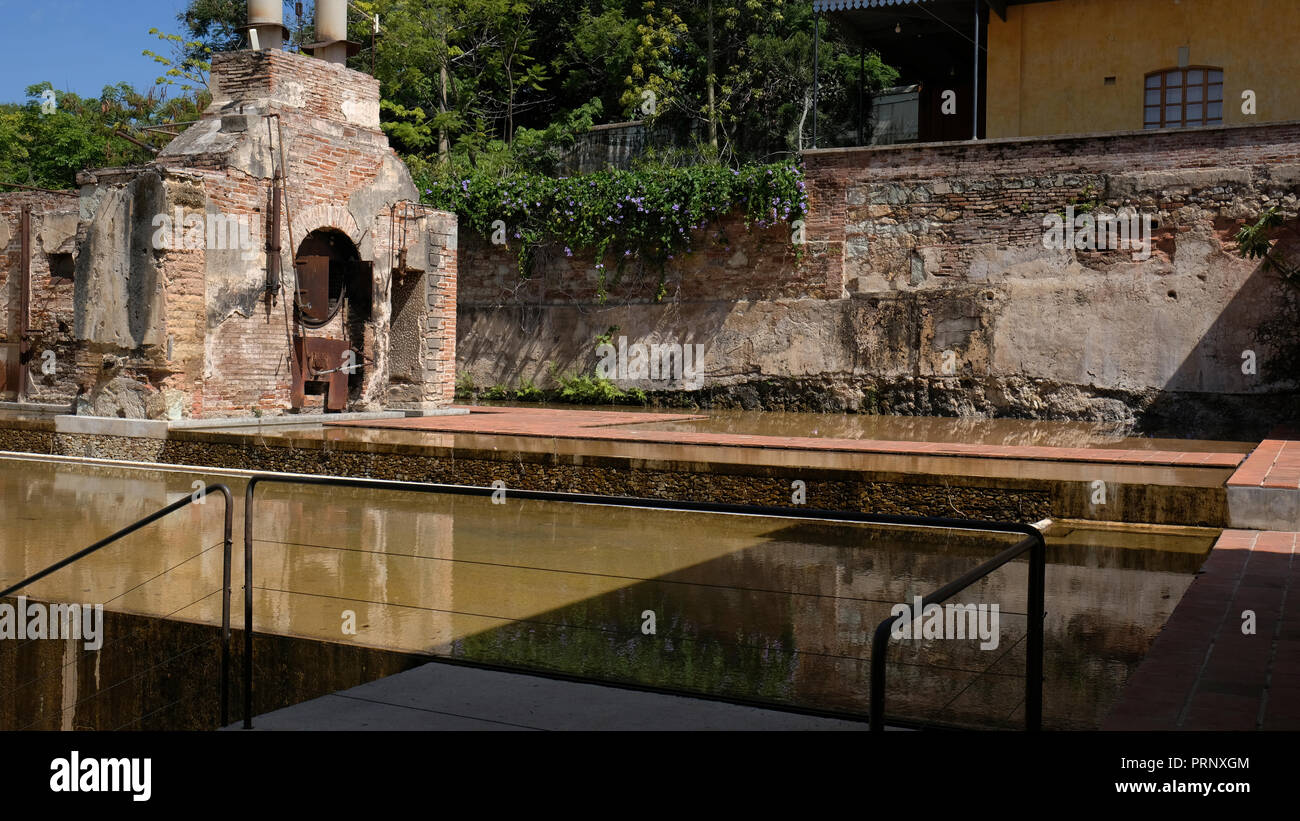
x,y
410,211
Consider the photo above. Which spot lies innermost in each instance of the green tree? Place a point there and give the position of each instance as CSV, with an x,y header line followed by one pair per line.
x,y
738,74
463,82
1261,240
48,149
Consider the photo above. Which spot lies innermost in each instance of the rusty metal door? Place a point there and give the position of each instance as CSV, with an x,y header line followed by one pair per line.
x,y
320,361
314,288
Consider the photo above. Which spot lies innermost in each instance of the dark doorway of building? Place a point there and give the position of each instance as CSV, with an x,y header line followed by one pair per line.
x,y
333,308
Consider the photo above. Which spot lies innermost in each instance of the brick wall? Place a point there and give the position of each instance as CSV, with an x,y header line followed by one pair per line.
x,y
949,196
168,331
872,208
341,176
50,296
442,293
727,262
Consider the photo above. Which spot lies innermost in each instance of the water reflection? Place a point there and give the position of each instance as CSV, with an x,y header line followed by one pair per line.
x,y
1017,432
754,608
779,424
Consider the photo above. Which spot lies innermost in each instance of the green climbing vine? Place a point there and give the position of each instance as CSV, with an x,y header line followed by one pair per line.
x,y
616,218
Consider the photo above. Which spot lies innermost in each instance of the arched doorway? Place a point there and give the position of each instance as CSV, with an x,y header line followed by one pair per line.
x,y
332,309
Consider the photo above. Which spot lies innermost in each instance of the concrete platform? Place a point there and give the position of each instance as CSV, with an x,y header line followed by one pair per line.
x,y
1264,493
441,696
1012,473
1165,484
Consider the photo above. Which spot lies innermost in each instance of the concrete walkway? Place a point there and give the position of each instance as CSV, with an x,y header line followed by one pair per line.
x,y
1274,464
442,696
1204,671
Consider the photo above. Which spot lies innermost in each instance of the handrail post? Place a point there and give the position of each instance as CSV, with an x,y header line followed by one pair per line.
x,y
248,602
1034,648
879,646
1035,612
226,551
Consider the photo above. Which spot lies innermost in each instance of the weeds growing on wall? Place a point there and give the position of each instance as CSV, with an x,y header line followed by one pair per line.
x,y
571,389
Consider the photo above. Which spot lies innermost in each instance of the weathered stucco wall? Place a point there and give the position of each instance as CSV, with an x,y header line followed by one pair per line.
x,y
937,293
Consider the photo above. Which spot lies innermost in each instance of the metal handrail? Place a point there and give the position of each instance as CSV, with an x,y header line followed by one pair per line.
x,y
192,498
1039,553
1037,547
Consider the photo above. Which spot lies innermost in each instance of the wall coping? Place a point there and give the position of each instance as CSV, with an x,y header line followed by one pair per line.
x,y
1149,134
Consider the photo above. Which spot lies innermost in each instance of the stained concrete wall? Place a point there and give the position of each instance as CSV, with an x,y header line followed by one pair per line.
x,y
939,295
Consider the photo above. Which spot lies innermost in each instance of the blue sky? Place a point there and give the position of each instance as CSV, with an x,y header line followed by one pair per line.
x,y
81,45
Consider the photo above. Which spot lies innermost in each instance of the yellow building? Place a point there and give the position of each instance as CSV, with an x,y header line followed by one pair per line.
x,y
1085,66
1048,67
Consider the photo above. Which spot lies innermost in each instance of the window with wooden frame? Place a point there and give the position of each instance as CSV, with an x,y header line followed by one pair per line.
x,y
1184,97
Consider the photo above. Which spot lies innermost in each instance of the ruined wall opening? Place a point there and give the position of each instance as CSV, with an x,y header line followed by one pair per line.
x,y
405,368
331,275
334,304
63,266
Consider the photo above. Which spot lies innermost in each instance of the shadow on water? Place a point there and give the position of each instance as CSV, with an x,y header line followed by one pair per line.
x,y
789,621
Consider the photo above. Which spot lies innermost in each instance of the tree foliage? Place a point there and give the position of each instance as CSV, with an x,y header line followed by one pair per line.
x,y
47,148
1261,241
483,98
462,78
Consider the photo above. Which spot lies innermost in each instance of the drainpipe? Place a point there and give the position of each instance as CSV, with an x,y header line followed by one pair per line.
x,y
975,97
273,246
265,28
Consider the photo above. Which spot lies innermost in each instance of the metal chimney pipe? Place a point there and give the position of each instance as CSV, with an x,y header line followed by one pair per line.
x,y
332,31
266,29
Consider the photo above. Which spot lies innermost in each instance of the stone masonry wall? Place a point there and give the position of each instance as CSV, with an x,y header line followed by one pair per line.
x,y
727,263
926,288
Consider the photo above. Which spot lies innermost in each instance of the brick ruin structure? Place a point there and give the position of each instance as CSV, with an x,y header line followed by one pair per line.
x,y
158,291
